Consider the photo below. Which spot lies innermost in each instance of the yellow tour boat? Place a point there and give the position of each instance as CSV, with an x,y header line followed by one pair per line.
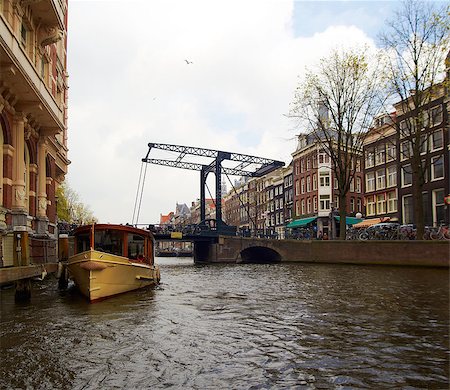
x,y
112,259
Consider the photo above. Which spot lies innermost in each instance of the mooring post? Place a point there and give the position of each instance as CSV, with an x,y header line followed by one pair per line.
x,y
22,258
63,256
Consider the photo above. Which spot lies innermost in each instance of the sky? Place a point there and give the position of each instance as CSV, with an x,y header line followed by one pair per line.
x,y
130,84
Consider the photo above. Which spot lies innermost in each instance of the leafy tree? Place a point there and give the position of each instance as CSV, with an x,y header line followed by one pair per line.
x,y
70,208
335,104
416,42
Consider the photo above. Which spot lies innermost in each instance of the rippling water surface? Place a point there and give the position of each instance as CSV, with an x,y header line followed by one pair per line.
x,y
280,326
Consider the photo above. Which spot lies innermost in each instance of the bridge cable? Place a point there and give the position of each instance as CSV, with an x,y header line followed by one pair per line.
x,y
137,194
142,192
241,202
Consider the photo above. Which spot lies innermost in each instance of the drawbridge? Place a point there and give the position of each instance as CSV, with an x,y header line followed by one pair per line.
x,y
210,161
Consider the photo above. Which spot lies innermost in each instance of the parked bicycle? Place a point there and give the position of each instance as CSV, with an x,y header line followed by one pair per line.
x,y
437,233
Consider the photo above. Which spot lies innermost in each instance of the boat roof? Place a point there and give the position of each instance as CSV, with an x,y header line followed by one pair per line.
x,y
110,226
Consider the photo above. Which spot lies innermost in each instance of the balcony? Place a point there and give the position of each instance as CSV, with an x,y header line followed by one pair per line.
x,y
22,83
50,12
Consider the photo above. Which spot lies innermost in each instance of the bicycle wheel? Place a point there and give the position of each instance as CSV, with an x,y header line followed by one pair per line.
x,y
363,236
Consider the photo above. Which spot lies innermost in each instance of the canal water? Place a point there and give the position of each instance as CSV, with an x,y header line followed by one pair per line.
x,y
271,326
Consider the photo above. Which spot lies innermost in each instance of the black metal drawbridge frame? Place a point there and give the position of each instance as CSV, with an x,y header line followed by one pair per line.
x,y
243,168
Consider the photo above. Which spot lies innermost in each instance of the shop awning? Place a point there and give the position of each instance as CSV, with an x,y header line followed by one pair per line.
x,y
301,222
350,220
370,222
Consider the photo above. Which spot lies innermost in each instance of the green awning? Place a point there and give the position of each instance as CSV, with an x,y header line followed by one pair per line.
x,y
350,220
301,222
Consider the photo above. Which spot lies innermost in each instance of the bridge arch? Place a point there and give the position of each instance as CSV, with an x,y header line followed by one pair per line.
x,y
260,254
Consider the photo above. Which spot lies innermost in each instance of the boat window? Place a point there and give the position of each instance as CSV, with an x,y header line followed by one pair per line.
x,y
83,242
109,241
135,246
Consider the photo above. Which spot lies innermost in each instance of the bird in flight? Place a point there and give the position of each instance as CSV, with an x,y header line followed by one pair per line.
x,y
188,62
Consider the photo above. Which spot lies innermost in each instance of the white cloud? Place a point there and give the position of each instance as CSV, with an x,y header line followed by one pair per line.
x,y
130,85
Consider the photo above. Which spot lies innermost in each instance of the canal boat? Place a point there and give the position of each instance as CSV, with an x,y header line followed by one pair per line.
x,y
112,259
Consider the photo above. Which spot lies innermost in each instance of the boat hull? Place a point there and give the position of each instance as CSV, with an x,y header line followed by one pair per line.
x,y
99,275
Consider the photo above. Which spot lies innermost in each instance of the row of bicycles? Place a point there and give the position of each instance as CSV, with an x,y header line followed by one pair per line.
x,y
393,231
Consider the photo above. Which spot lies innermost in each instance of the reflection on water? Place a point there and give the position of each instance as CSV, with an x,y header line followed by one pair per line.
x,y
236,326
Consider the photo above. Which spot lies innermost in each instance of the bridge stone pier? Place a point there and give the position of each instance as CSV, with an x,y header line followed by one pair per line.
x,y
256,250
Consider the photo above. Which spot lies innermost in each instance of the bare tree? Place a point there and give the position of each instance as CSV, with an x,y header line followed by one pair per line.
x,y
335,104
416,42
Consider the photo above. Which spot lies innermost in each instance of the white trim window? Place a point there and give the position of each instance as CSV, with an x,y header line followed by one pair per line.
x,y
381,179
392,201
370,205
324,202
303,185
380,154
314,181
437,140
308,205
407,207
436,115
381,204
324,179
308,183
406,175
392,176
358,185
303,206
438,207
405,150
370,158
315,203
391,152
437,168
370,181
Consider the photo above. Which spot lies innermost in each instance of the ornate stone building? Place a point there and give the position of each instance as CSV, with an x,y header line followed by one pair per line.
x,y
33,121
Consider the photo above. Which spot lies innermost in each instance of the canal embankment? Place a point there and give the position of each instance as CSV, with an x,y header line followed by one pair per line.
x,y
399,253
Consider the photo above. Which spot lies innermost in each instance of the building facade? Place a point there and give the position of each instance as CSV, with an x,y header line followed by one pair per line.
x,y
315,186
33,119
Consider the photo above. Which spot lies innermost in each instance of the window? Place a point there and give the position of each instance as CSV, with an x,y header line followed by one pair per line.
x,y
381,204
405,150
380,154
391,152
302,165
352,185
370,181
352,205
358,205
392,176
335,181
370,158
308,205
437,140
358,185
436,115
315,203
392,202
297,209
438,207
303,206
308,184
324,180
370,205
408,216
308,164
315,182
381,179
437,168
303,185
320,158
297,192
406,176
358,165
324,202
